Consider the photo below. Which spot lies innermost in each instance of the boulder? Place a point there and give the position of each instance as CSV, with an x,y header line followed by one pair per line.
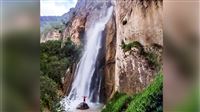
x,y
82,106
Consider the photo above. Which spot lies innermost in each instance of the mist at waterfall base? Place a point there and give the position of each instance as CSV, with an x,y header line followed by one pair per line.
x,y
83,79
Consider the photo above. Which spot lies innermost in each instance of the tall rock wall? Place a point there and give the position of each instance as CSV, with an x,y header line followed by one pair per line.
x,y
131,70
85,14
141,21
110,51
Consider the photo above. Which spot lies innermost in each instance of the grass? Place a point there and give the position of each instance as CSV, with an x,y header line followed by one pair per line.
x,y
150,100
117,102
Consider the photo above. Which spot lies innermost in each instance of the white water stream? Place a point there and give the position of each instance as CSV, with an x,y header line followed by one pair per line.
x,y
81,85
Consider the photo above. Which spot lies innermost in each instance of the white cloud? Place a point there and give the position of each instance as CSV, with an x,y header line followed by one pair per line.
x,y
55,7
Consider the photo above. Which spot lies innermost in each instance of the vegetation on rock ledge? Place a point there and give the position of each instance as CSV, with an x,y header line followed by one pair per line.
x,y
127,47
151,56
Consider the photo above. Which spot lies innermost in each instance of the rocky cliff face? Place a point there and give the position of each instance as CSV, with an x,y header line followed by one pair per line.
x,y
110,51
139,21
53,34
86,13
49,28
129,67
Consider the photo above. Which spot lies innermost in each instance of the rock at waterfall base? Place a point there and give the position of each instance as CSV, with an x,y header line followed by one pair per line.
x,y
82,106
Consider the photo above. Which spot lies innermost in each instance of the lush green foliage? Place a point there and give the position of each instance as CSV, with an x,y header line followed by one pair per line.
x,y
116,103
150,100
54,60
48,93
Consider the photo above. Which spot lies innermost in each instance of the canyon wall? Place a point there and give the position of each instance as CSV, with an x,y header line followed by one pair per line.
x,y
110,51
85,14
139,21
52,34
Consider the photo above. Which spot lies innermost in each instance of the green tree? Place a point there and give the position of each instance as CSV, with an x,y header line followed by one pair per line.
x,y
48,93
54,61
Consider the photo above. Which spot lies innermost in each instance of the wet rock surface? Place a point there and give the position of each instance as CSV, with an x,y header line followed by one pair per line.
x,y
82,106
110,51
84,15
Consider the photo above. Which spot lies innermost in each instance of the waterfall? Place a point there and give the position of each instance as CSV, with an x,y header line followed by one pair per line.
x,y
85,77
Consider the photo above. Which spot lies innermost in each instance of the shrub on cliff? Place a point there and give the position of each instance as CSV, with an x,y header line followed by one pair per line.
x,y
128,46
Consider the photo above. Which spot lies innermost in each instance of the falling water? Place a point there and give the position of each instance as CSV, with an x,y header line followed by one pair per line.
x,y
84,76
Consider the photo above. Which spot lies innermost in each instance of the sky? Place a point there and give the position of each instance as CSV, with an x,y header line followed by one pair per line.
x,y
55,7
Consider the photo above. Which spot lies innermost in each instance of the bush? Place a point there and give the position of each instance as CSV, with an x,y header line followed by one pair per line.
x,y
127,47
